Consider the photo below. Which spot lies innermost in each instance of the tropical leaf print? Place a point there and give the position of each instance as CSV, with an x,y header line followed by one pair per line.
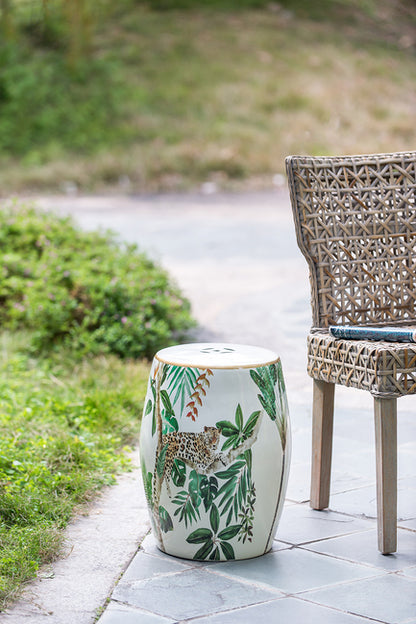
x,y
222,489
213,540
161,460
151,406
185,385
147,482
181,381
199,391
165,520
227,495
246,517
168,415
238,432
178,474
267,378
189,501
233,492
236,495
209,490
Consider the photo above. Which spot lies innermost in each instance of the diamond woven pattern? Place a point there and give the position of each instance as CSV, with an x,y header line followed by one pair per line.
x,y
355,219
383,368
356,225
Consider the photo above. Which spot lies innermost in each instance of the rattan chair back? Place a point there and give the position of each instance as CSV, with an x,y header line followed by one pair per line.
x,y
355,220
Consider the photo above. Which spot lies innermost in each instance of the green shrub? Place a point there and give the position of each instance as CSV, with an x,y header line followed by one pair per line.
x,y
84,290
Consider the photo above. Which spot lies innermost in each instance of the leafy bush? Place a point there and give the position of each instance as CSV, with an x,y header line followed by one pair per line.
x,y
84,289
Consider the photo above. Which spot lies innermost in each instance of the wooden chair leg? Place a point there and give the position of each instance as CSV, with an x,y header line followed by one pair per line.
x,y
385,416
322,426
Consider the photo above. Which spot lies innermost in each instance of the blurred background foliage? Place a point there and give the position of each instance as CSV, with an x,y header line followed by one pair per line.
x,y
167,94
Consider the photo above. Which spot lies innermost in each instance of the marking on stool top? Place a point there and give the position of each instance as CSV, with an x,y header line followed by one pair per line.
x,y
222,351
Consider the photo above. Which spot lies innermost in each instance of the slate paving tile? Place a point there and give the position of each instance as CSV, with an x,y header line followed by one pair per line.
x,y
406,462
344,479
145,566
301,446
347,473
192,593
363,501
356,462
390,598
280,546
410,572
283,610
298,488
301,524
294,570
149,547
410,481
300,414
346,430
122,614
362,548
408,524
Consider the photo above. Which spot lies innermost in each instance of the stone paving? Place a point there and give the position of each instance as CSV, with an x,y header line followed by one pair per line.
x,y
236,259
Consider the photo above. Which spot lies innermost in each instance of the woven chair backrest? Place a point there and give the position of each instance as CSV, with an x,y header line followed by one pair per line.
x,y
355,219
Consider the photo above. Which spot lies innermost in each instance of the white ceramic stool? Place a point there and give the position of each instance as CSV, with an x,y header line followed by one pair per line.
x,y
215,450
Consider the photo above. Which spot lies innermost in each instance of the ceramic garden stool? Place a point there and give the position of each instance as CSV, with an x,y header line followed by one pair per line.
x,y
215,450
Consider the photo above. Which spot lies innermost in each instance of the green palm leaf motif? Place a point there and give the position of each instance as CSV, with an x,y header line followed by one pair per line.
x,y
180,383
147,482
178,474
208,490
151,406
228,550
267,379
233,495
233,492
215,555
199,536
246,517
238,432
166,523
212,539
160,462
229,532
189,501
214,519
168,415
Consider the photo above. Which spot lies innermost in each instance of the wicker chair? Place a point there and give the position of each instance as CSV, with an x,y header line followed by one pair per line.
x,y
355,220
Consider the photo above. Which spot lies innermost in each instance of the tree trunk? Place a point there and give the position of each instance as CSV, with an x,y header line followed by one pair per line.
x,y
6,19
79,29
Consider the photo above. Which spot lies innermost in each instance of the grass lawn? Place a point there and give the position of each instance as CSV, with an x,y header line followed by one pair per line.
x,y
65,425
172,98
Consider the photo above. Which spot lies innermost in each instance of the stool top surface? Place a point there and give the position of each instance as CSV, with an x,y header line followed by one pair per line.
x,y
216,355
